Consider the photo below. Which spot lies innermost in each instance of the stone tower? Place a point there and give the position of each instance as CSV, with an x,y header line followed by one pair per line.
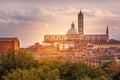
x,y
80,23
107,32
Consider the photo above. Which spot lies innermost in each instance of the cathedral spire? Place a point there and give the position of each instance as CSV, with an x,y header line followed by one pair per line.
x,y
80,12
80,23
107,32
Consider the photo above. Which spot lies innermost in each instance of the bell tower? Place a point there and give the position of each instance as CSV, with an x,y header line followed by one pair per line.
x,y
107,32
80,23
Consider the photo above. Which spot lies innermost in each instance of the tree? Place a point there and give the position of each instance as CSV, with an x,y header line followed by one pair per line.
x,y
80,71
13,60
113,70
24,66
41,73
106,64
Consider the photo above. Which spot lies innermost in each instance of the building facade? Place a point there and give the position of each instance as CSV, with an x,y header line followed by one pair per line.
x,y
73,37
9,43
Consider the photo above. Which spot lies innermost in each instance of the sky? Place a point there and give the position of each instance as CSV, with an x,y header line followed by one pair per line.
x,y
30,20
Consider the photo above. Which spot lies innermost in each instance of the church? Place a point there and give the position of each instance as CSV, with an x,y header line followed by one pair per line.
x,y
74,37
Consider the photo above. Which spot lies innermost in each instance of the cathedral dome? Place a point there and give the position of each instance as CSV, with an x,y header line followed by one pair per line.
x,y
72,30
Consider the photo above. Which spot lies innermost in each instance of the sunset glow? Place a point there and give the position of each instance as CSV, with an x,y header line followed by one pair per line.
x,y
30,21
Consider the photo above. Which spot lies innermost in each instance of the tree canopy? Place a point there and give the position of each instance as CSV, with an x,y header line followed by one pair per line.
x,y
24,66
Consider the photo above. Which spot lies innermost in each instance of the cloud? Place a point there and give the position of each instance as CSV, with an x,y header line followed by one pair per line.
x,y
26,15
102,17
107,17
101,13
105,13
42,17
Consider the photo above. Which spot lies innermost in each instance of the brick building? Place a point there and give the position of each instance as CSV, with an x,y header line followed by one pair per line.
x,y
9,43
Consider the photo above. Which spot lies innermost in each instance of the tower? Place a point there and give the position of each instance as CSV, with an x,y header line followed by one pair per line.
x,y
80,23
107,33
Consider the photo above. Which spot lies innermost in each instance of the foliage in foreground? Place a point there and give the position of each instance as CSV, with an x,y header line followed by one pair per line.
x,y
112,69
23,66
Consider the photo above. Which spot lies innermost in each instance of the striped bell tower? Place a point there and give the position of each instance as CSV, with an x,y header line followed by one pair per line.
x,y
107,32
80,23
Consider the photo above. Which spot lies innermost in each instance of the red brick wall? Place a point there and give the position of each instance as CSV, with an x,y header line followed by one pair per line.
x,y
5,45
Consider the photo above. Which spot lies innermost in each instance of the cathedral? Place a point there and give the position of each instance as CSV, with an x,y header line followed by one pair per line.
x,y
74,37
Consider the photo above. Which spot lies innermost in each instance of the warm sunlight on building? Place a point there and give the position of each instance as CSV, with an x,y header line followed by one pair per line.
x,y
9,43
73,37
76,46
